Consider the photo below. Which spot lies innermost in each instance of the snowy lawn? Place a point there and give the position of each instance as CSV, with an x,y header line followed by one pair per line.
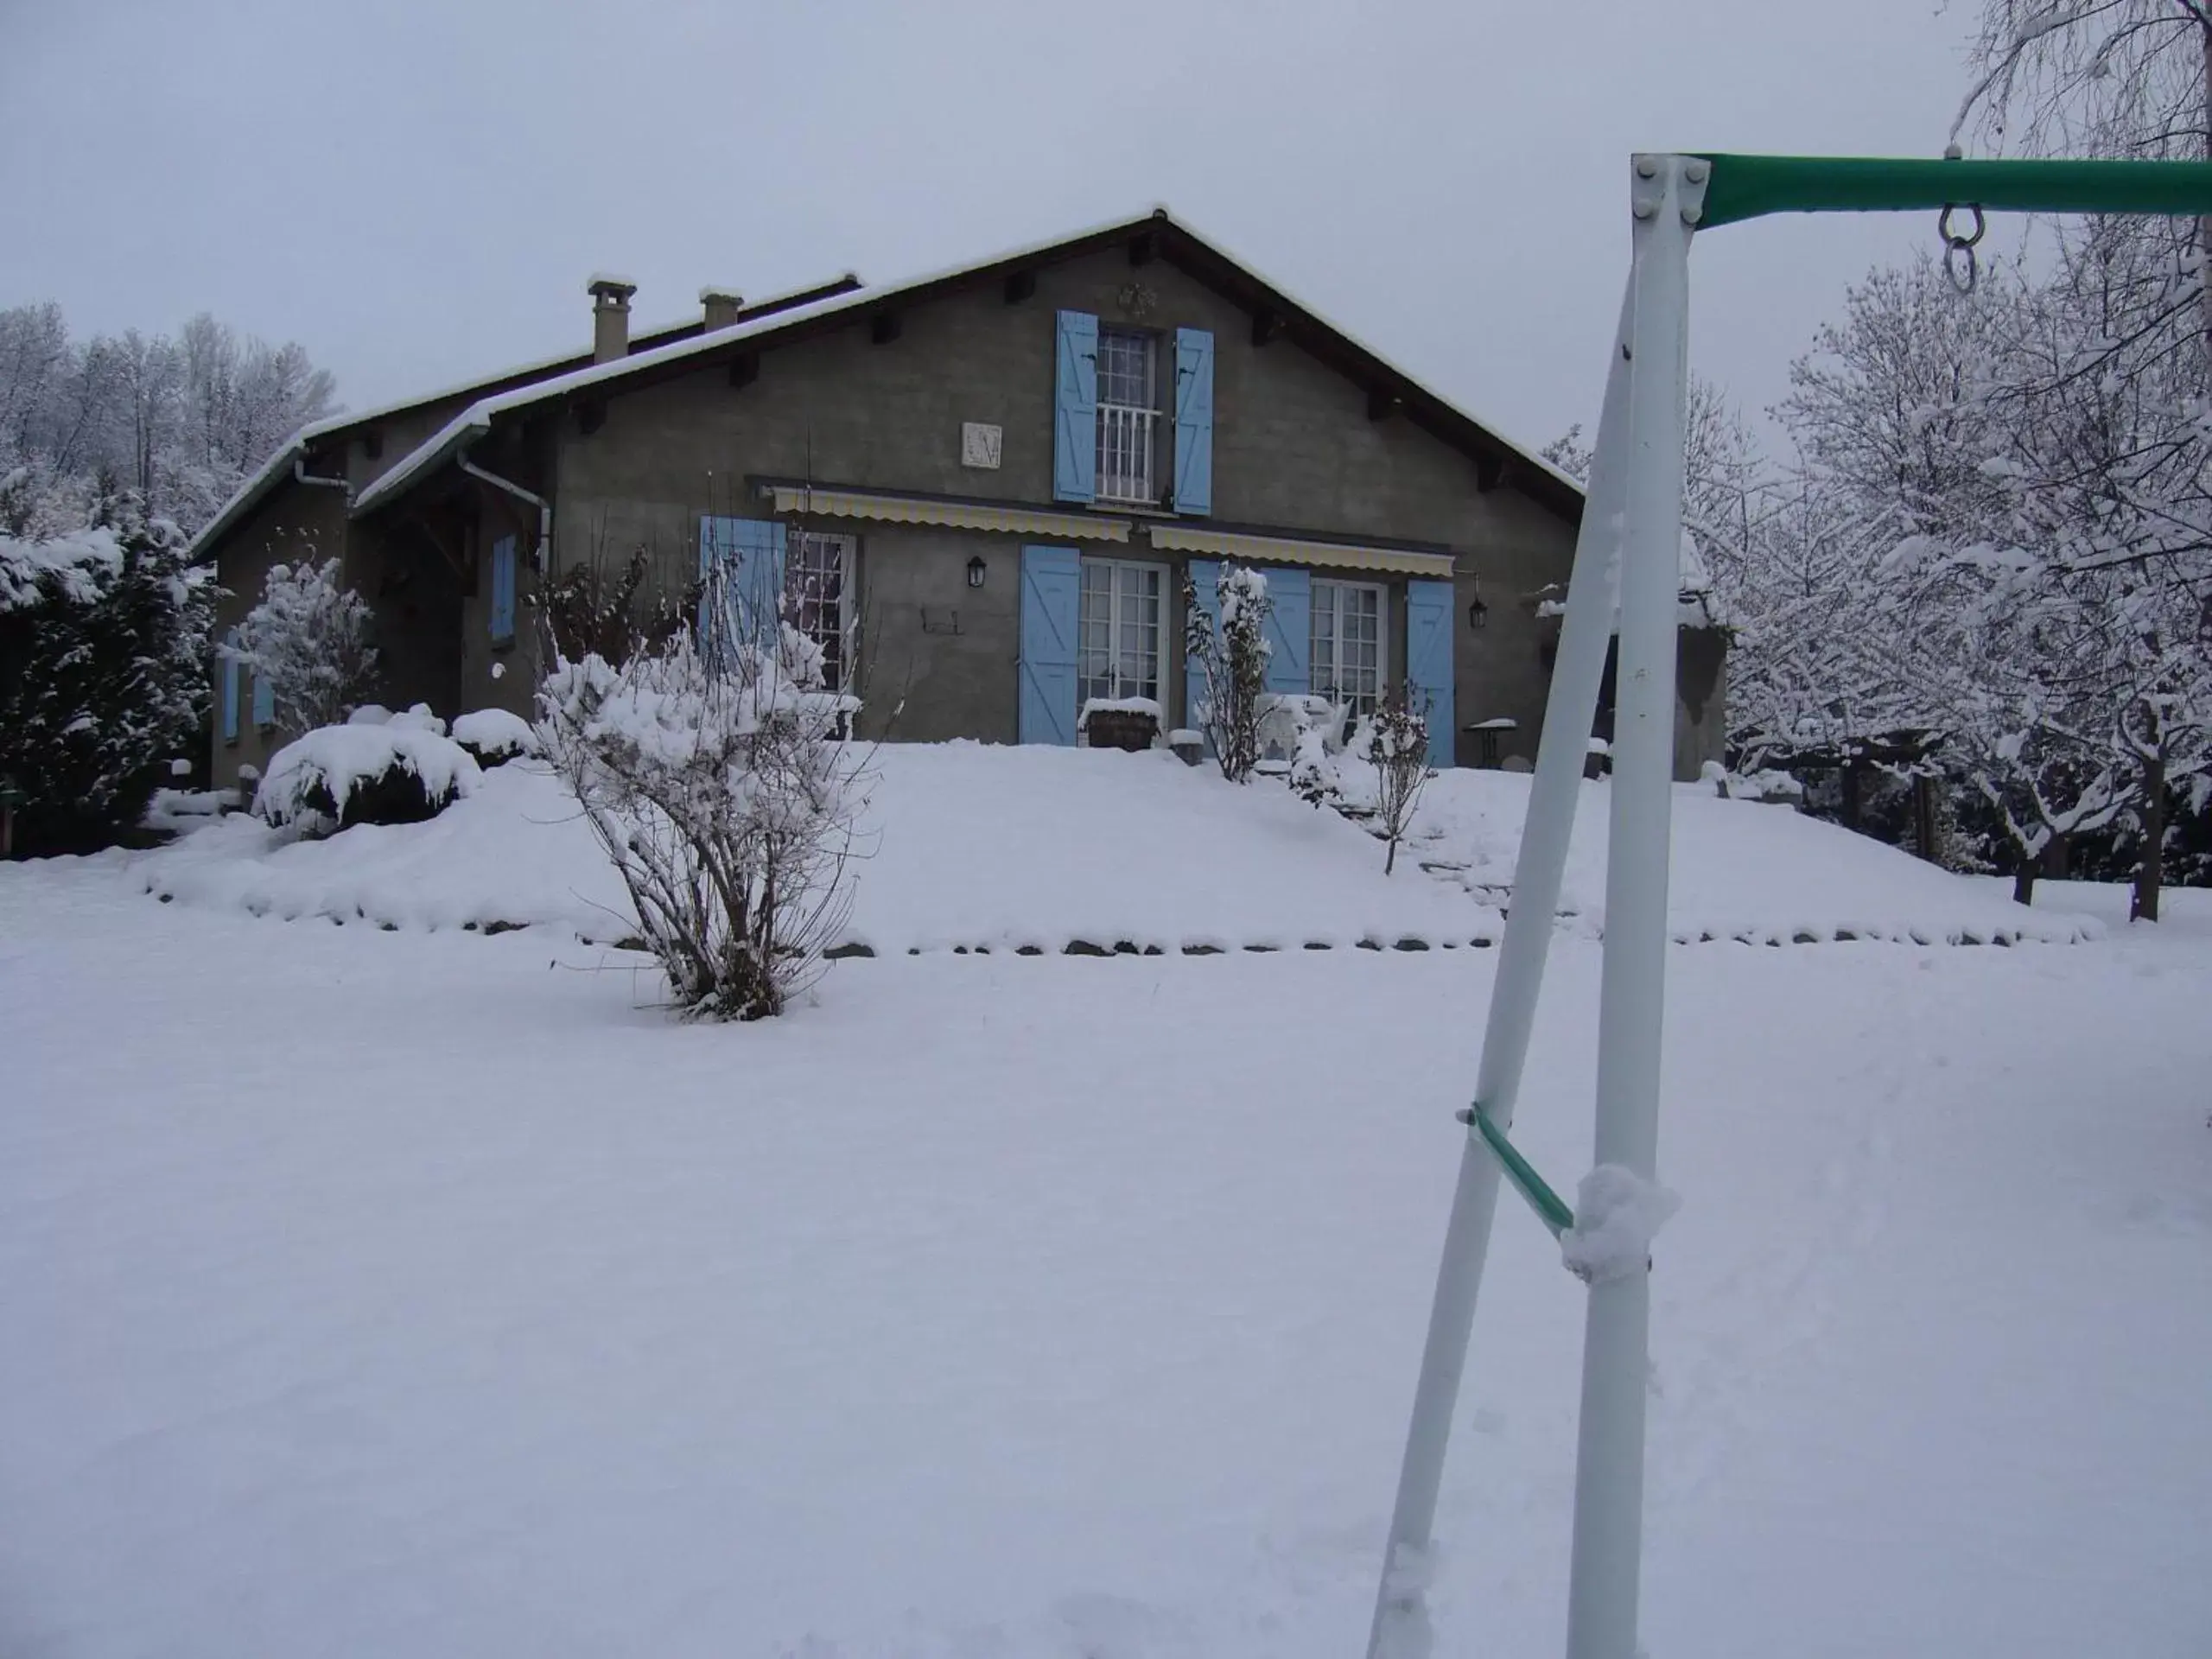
x,y
416,1293
964,845
1741,870
975,846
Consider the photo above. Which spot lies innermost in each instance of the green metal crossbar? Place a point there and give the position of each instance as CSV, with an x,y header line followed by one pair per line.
x,y
1550,1208
1750,186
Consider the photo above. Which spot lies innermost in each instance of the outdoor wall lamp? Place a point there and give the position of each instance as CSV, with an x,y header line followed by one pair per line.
x,y
1478,614
975,572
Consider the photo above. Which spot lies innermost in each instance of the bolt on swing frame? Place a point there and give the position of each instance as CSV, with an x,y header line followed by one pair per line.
x,y
1629,543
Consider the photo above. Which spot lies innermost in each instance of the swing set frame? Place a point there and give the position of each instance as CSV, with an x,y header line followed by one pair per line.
x,y
1628,551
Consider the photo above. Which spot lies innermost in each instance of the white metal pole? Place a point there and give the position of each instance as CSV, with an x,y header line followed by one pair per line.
x,y
1400,1624
1604,1579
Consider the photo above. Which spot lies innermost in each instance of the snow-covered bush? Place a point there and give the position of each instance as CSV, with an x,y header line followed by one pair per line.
x,y
1230,664
1376,776
494,736
336,777
1313,770
103,673
308,641
716,782
417,717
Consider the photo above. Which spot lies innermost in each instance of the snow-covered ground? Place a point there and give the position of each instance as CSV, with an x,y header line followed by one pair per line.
x,y
423,1293
1764,874
972,846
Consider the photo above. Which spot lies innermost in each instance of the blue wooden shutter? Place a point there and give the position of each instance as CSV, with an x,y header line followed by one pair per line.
x,y
750,553
230,691
264,701
503,588
709,550
1051,600
1290,631
1205,574
1193,421
1075,408
1429,607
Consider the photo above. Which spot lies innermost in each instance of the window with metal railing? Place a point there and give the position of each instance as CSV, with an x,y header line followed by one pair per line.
x,y
1127,419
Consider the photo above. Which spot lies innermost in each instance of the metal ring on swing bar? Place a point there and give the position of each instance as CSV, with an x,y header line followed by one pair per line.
x,y
1954,244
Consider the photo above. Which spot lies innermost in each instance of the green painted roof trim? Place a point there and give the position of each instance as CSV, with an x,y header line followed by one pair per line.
x,y
1751,186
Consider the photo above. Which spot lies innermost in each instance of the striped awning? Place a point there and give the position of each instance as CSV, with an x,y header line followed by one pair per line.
x,y
1291,549
814,500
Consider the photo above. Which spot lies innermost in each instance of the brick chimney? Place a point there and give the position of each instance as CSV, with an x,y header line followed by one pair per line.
x,y
722,305
610,318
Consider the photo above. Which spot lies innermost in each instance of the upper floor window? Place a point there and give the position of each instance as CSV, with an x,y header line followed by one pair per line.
x,y
1127,415
1347,663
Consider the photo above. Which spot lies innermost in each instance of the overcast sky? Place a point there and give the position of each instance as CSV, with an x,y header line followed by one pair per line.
x,y
417,191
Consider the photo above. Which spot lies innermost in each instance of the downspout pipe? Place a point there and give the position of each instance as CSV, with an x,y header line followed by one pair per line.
x,y
301,474
544,507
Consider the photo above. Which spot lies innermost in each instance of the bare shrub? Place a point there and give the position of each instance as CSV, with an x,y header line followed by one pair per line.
x,y
593,610
712,773
1395,741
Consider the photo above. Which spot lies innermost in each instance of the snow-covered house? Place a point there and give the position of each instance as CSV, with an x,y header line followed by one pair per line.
x,y
981,491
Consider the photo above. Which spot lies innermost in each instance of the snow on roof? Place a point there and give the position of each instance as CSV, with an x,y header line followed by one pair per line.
x,y
479,415
295,446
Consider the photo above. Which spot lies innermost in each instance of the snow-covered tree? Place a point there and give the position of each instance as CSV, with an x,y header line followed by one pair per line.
x,y
308,642
103,672
1992,530
1230,662
180,421
2132,319
717,786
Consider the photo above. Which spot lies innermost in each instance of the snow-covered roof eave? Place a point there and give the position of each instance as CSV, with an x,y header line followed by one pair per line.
x,y
478,417
248,494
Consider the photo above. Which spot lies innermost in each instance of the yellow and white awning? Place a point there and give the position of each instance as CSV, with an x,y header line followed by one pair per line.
x,y
812,500
1290,550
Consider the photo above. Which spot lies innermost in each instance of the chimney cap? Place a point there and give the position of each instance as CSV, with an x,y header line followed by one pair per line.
x,y
613,290
723,291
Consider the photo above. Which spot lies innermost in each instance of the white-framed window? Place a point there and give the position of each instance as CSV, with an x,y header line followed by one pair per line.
x,y
1128,414
819,593
1121,629
1348,660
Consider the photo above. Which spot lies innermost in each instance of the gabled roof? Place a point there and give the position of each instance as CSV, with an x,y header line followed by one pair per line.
x,y
1390,389
317,434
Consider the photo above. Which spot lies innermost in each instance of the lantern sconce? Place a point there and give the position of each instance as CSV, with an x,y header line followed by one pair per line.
x,y
976,571
1478,612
